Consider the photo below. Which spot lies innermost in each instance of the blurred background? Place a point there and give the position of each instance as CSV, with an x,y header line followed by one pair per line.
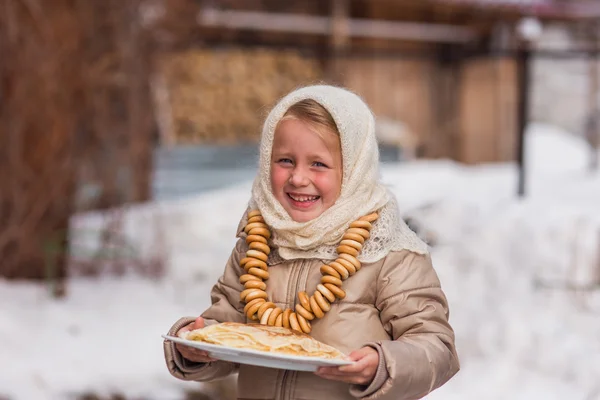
x,y
128,144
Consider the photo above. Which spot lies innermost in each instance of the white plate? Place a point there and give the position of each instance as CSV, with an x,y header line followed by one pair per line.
x,y
260,358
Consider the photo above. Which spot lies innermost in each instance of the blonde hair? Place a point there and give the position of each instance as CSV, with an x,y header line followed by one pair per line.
x,y
313,114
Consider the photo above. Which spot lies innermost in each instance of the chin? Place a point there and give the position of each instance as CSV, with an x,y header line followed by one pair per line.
x,y
300,216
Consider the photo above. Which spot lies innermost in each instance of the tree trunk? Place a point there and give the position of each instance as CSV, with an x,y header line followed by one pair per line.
x,y
40,65
75,111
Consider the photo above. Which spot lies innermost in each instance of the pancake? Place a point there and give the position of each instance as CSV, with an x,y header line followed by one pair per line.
x,y
266,338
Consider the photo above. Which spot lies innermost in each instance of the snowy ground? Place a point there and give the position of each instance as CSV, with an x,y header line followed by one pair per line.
x,y
517,273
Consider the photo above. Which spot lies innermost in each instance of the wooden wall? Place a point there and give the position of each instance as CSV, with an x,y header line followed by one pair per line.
x,y
463,110
394,88
488,104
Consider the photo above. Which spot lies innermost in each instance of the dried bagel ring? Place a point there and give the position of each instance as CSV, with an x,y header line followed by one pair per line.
x,y
370,217
260,231
252,307
264,307
265,316
244,260
344,273
352,236
258,254
319,313
321,301
304,312
256,295
259,273
256,218
329,270
258,238
255,284
303,298
249,277
360,231
274,315
294,322
244,293
347,265
260,247
252,303
361,224
331,279
326,292
255,263
254,225
344,249
351,259
285,320
253,213
352,243
336,290
304,324
279,320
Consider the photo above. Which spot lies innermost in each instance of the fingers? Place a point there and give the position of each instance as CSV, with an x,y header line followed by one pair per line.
x,y
185,329
354,368
363,359
361,372
192,354
199,323
361,353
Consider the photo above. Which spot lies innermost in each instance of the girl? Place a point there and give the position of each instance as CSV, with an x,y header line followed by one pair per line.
x,y
375,296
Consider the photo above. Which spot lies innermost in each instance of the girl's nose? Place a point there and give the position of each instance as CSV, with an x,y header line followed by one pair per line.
x,y
298,178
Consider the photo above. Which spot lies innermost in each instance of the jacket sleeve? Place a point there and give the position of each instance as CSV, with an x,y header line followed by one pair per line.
x,y
225,307
414,311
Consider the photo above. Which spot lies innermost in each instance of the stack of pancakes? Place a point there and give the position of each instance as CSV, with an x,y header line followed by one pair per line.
x,y
264,338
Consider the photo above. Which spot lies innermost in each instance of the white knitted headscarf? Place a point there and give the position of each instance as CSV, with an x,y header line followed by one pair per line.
x,y
361,191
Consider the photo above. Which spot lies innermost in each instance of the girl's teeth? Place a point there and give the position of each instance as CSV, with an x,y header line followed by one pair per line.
x,y
303,198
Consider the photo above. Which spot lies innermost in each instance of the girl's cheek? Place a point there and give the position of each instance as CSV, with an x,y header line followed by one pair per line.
x,y
329,185
278,177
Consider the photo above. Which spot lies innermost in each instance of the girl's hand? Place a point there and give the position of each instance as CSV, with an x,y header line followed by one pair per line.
x,y
361,372
191,353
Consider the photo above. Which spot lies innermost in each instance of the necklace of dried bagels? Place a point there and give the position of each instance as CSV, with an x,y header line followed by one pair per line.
x,y
259,308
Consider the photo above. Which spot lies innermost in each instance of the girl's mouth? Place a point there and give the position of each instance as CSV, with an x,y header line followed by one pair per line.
x,y
302,201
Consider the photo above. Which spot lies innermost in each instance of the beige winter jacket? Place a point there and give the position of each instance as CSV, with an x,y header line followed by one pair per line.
x,y
395,305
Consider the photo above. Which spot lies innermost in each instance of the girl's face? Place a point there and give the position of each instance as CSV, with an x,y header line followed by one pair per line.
x,y
306,169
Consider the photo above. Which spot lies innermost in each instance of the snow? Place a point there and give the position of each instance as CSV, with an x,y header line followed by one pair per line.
x,y
519,275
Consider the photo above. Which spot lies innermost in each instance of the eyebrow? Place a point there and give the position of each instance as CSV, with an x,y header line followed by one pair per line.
x,y
311,156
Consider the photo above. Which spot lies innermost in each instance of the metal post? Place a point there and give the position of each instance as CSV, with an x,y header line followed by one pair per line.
x,y
592,128
523,71
339,38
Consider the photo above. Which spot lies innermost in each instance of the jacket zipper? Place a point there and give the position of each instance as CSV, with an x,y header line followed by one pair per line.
x,y
297,273
303,266
283,384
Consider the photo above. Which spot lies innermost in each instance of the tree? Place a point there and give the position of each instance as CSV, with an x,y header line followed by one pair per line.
x,y
73,75
40,89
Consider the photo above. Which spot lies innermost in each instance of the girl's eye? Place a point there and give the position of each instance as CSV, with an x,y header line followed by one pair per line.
x,y
319,164
285,161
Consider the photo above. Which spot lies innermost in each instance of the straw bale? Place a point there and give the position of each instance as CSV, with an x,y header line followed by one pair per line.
x,y
221,96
